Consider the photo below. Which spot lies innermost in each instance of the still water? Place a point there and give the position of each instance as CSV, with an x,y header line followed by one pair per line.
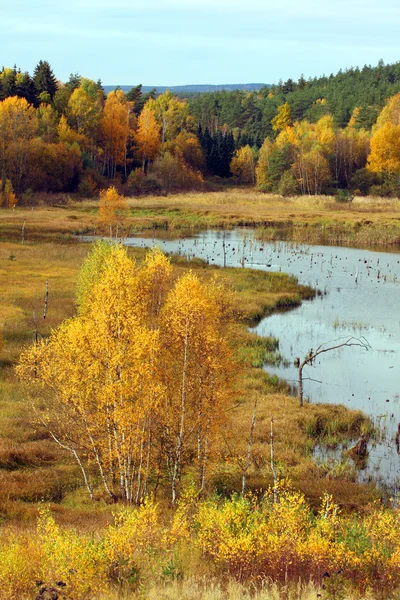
x,y
360,298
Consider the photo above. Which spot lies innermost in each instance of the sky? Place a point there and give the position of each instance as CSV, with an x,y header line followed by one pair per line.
x,y
176,42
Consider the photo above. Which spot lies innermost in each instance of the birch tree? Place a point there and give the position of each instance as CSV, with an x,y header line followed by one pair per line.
x,y
134,387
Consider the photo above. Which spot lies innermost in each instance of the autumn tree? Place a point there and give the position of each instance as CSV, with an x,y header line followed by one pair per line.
x,y
264,162
313,172
7,197
84,112
171,113
390,113
53,167
98,371
116,126
136,384
243,165
173,173
186,146
196,371
385,150
111,209
147,137
283,118
17,127
47,123
69,136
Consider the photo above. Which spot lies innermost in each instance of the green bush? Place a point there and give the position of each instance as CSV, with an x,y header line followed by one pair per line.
x,y
344,196
288,185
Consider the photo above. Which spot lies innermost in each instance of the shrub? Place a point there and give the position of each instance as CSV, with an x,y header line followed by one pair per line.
x,y
288,185
151,186
135,181
87,187
343,196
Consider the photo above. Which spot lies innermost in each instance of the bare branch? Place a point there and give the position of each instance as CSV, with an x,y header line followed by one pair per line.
x,y
312,355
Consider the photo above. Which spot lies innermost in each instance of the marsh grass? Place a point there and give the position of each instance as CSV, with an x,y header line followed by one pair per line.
x,y
297,431
208,588
315,219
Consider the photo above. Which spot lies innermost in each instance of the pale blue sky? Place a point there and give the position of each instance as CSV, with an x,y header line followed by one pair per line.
x,y
174,42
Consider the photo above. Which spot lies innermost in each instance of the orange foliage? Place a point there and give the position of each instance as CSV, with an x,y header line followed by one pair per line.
x,y
147,136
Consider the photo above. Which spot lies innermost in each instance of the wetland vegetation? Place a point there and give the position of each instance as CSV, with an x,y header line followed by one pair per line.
x,y
34,469
278,232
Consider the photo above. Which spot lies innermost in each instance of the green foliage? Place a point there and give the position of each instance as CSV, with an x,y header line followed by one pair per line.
x,y
44,79
343,196
288,185
363,180
280,161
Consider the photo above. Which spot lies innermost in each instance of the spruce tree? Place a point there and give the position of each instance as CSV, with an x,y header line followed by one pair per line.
x,y
25,88
44,79
74,81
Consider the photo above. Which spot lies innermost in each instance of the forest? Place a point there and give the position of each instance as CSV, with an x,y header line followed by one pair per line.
x,y
330,135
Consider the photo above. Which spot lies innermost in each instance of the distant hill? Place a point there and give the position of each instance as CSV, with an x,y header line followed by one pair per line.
x,y
191,89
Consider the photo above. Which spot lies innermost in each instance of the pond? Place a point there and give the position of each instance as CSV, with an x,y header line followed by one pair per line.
x,y
360,298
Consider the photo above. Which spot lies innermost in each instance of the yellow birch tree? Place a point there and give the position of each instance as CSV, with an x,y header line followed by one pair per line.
x,y
111,209
136,384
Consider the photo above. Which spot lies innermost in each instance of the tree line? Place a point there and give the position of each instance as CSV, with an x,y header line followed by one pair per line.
x,y
310,137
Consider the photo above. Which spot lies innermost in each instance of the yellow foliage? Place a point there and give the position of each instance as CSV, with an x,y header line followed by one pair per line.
x,y
68,136
243,165
135,532
289,135
389,114
140,377
283,118
353,118
7,196
83,111
116,128
263,162
111,208
276,538
385,149
147,135
171,113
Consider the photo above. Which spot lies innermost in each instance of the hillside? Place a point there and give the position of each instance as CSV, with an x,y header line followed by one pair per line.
x,y
191,89
367,88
